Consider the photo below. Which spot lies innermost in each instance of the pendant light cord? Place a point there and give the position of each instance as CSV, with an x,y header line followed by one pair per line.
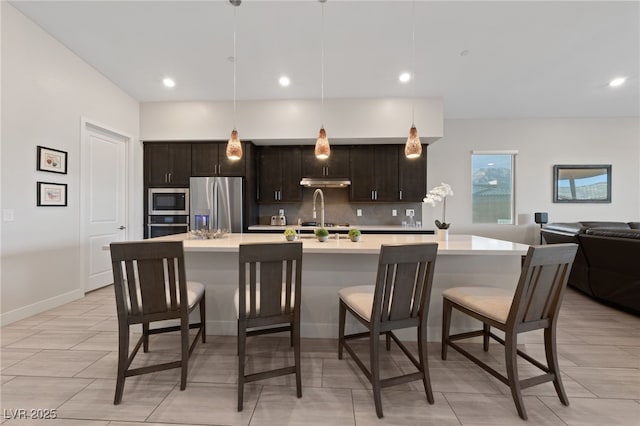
x,y
235,60
322,67
413,60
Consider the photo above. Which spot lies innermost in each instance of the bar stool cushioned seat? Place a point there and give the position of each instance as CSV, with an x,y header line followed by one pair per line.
x,y
491,302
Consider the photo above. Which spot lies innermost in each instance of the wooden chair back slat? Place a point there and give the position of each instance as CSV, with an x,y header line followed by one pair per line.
x,y
542,282
403,284
154,281
274,269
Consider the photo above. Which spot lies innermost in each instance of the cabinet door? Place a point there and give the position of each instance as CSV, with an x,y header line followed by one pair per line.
x,y
228,167
337,165
167,164
156,164
269,175
412,176
291,173
180,164
204,159
386,172
362,173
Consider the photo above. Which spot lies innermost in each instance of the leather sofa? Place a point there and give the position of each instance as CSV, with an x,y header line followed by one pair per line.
x,y
607,264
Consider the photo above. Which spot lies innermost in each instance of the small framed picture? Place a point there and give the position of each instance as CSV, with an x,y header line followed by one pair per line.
x,y
52,160
52,194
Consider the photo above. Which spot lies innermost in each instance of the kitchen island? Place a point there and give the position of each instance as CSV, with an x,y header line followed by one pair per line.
x,y
328,266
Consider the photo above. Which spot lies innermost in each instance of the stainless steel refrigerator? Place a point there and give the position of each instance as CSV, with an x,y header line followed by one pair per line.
x,y
216,203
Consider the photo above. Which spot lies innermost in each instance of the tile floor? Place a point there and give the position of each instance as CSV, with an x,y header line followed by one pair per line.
x,y
65,359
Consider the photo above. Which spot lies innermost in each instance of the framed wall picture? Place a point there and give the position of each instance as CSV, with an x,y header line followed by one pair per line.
x,y
52,160
52,194
589,183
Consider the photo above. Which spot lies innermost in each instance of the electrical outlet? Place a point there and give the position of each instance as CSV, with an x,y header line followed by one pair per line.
x,y
8,215
394,212
410,212
281,212
358,212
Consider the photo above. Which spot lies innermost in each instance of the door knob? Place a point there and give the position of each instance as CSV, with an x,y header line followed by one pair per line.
x,y
122,227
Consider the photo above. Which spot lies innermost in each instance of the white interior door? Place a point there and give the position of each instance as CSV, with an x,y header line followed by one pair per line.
x,y
105,201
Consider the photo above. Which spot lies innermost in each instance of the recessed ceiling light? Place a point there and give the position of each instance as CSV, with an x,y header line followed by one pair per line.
x,y
284,81
404,77
168,82
619,81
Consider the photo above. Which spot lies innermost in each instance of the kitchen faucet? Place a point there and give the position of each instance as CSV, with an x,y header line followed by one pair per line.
x,y
315,194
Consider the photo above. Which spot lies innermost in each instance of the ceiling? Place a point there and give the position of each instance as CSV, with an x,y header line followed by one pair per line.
x,y
504,59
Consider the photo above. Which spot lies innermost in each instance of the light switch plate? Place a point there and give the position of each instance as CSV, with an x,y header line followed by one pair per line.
x,y
394,212
358,212
8,215
281,212
410,212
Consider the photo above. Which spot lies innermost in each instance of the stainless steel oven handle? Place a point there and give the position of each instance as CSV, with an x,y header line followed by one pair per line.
x,y
166,225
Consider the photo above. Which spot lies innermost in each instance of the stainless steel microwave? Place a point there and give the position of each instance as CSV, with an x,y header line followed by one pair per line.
x,y
173,201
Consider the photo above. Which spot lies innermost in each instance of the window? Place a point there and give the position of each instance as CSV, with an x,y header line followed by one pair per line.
x,y
492,187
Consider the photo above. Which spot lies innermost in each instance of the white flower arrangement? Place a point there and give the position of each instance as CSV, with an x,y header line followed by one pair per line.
x,y
436,195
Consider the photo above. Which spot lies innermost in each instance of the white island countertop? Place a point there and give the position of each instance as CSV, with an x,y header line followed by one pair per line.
x,y
457,244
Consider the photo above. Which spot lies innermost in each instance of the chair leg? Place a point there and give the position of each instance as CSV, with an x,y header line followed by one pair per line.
x,y
387,338
551,352
203,317
374,352
184,359
424,363
145,334
123,357
242,340
295,329
341,324
511,359
446,322
486,329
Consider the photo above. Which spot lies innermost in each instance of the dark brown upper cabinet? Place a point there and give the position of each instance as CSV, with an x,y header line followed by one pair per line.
x,y
167,164
374,173
412,174
337,165
210,159
279,174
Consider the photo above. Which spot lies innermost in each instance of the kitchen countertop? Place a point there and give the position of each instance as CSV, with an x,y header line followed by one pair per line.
x,y
457,244
363,228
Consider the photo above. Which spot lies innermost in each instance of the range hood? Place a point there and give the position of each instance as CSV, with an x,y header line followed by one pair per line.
x,y
325,182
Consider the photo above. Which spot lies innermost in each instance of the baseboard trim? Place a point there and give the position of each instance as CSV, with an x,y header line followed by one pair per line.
x,y
39,307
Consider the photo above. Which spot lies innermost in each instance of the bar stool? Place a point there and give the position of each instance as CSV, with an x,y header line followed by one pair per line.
x,y
535,305
399,299
268,301
150,285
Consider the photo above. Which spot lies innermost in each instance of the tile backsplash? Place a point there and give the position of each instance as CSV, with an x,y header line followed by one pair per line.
x,y
338,209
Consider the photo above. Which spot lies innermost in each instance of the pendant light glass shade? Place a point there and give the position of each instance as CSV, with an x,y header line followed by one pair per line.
x,y
413,147
323,150
234,147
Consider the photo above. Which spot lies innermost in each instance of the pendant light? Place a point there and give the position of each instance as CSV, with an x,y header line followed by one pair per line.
x,y
234,147
413,147
323,150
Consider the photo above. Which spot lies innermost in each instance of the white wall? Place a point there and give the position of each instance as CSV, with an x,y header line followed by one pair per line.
x,y
46,89
281,121
540,143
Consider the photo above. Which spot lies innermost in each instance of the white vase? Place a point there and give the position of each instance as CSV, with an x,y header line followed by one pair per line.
x,y
442,234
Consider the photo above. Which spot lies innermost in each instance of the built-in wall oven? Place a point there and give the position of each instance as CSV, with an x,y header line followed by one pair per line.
x,y
168,212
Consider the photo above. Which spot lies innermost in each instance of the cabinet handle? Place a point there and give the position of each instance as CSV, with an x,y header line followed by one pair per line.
x,y
275,195
166,177
401,195
372,196
170,179
219,169
376,194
